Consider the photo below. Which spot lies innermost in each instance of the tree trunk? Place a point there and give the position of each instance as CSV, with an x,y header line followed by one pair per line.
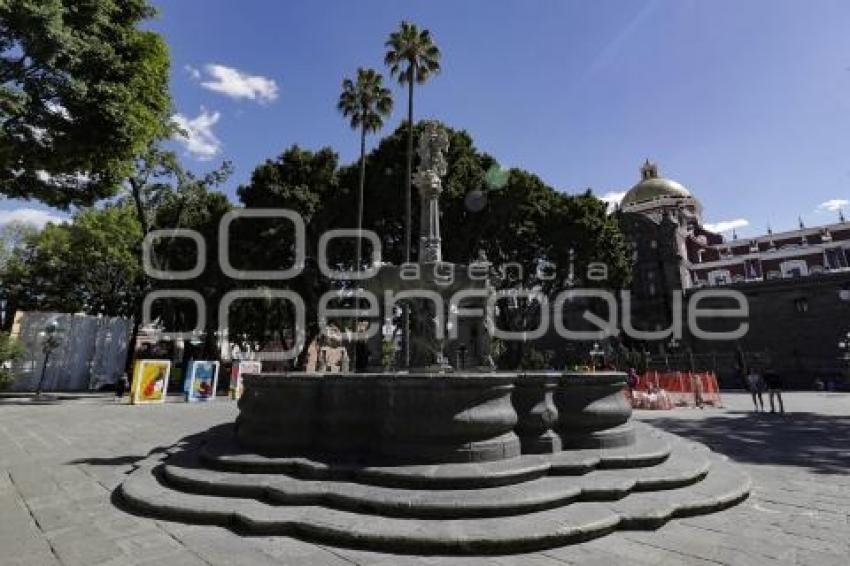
x,y
360,194
359,232
407,209
408,221
131,347
310,334
136,190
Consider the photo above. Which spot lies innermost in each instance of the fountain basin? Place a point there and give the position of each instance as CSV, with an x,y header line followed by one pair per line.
x,y
428,418
593,412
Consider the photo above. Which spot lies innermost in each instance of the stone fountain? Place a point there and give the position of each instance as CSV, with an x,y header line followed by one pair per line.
x,y
439,459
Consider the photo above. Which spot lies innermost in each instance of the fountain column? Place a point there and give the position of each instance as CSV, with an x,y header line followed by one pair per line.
x,y
433,144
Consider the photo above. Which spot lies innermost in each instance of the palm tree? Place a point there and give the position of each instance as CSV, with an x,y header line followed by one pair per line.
x,y
412,56
366,102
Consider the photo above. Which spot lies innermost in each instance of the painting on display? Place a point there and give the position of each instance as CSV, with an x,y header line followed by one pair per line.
x,y
236,373
202,381
150,381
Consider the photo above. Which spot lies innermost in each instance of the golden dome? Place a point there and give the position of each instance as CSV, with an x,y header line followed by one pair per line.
x,y
652,187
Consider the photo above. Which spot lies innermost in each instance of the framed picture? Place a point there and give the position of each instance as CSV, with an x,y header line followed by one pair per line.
x,y
150,381
202,381
236,372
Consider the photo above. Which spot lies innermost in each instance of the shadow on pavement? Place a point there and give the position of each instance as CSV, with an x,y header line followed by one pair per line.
x,y
818,443
186,444
118,460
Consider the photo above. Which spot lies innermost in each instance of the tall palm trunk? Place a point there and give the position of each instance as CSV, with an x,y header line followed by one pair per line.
x,y
408,228
407,207
360,193
360,190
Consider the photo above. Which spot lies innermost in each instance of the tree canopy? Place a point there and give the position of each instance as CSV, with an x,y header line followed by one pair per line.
x,y
512,216
83,91
88,265
91,264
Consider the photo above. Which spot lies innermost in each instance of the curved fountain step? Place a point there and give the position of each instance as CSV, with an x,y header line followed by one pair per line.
x,y
650,448
687,464
723,486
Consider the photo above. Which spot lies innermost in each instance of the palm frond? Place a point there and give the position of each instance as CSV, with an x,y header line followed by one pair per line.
x,y
365,101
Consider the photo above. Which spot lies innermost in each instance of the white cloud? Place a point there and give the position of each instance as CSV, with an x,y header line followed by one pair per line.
x,y
37,218
612,199
726,225
198,137
193,72
833,205
236,84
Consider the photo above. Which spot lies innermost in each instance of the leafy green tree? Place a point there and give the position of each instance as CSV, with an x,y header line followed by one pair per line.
x,y
166,196
83,91
89,265
512,216
413,57
306,182
518,219
93,263
12,236
10,350
192,203
366,102
155,171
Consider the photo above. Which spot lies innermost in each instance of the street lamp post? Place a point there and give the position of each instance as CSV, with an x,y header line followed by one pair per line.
x,y
595,354
672,346
844,348
50,342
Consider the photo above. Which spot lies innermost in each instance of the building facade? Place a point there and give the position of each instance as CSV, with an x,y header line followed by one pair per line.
x,y
796,283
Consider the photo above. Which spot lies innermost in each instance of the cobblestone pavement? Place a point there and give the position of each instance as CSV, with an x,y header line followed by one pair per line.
x,y
60,462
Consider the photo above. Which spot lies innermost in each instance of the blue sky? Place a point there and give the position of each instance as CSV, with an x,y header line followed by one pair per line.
x,y
746,103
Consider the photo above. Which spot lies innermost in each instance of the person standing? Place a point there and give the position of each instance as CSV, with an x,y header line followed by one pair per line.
x,y
774,387
631,384
756,386
121,385
696,385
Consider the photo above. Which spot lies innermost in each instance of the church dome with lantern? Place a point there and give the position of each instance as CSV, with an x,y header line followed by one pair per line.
x,y
656,193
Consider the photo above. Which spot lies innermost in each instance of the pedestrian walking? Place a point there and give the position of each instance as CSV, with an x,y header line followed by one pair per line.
x,y
774,388
755,383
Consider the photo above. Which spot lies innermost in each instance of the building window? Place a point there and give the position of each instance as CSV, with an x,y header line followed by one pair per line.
x,y
794,268
801,304
752,269
719,277
834,259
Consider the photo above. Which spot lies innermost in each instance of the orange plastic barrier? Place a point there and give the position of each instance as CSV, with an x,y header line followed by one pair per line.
x,y
677,387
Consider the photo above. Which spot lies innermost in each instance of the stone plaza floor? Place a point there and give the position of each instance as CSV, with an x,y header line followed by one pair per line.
x,y
61,461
